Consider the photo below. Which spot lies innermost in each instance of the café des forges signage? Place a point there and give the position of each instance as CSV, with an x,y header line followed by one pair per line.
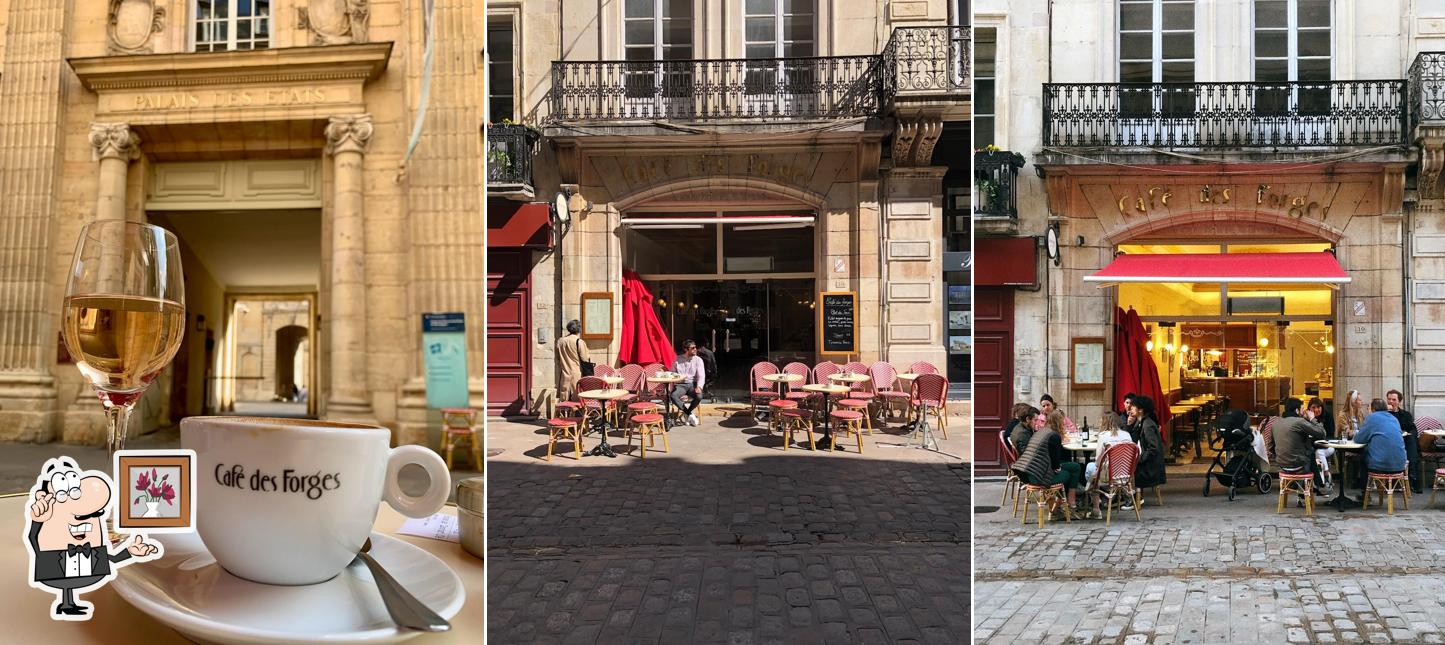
x,y
1285,200
784,169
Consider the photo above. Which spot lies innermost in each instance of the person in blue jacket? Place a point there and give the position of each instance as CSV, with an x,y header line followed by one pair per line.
x,y
1384,444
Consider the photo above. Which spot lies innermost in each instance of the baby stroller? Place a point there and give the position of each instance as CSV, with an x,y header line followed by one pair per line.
x,y
1236,464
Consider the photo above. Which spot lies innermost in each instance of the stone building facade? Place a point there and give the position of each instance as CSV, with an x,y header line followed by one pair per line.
x,y
271,140
722,127
1204,125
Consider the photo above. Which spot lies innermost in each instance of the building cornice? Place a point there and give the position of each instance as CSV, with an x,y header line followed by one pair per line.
x,y
363,62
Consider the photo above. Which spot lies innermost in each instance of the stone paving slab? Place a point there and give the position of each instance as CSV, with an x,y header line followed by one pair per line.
x,y
1207,570
752,545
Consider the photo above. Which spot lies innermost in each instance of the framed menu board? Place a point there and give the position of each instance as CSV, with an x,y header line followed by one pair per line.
x,y
1086,363
838,322
597,315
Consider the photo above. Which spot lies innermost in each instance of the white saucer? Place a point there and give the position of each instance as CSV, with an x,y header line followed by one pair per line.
x,y
187,590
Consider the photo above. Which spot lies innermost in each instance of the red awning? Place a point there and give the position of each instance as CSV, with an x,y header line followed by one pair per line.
x,y
1318,267
1005,262
514,224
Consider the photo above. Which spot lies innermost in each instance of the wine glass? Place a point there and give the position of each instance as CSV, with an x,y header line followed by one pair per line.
x,y
124,314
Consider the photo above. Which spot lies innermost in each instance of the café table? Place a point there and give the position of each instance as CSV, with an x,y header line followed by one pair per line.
x,y
1341,446
669,379
1089,448
606,425
826,392
25,611
782,381
612,380
851,379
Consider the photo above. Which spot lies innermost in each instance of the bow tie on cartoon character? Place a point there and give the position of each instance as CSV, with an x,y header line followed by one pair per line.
x,y
66,536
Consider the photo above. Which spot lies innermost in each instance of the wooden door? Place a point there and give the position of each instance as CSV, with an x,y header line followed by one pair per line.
x,y
993,369
509,331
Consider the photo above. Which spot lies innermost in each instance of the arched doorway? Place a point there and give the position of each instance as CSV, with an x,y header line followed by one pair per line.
x,y
289,381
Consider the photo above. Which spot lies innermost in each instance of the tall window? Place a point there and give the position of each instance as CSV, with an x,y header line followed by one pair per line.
x,y
1156,45
226,25
778,28
657,30
501,80
1292,43
985,54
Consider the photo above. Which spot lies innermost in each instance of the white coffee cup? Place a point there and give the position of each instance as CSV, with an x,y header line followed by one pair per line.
x,y
290,501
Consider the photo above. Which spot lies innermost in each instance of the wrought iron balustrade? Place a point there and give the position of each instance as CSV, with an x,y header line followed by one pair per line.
x,y
995,180
1427,88
509,155
1226,115
927,60
759,88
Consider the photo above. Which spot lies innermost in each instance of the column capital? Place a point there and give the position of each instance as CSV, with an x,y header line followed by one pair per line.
x,y
348,133
113,141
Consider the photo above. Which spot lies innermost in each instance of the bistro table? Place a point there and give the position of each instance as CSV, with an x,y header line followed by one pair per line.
x,y
1341,446
1088,447
782,381
604,396
25,612
851,379
612,379
826,392
669,379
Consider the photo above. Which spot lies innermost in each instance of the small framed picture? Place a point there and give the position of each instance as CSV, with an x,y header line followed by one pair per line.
x,y
157,492
958,319
960,344
597,315
958,295
1086,363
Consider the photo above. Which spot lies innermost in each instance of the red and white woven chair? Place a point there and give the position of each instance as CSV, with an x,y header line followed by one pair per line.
x,y
798,369
1116,478
885,387
929,395
860,399
636,402
763,391
922,367
1428,452
1011,482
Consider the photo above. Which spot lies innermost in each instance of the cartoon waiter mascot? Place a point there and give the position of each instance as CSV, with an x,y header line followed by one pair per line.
x,y
66,536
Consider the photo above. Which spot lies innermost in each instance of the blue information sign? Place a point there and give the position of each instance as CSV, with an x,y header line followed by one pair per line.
x,y
444,346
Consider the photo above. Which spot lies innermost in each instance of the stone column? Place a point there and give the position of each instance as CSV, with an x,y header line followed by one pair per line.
x,y
113,146
350,396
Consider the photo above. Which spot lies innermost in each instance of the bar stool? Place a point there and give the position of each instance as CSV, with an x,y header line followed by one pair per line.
x,y
776,408
793,419
856,405
640,407
1301,483
564,429
1439,484
569,408
848,422
1045,496
649,425
1386,485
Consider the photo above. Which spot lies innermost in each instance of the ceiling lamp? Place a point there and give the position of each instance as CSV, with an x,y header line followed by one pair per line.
x,y
1149,345
1183,349
1329,349
1263,341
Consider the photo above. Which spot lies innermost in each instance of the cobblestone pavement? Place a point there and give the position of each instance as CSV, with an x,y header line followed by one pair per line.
x,y
1207,570
751,545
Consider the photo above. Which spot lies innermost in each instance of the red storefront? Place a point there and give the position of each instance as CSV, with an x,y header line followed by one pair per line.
x,y
515,232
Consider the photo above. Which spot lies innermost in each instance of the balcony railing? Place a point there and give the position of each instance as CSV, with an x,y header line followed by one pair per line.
x,y
995,180
761,88
509,156
927,60
1225,115
1427,88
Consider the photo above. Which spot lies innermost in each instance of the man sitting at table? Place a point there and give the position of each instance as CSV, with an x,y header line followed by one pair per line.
x,y
694,375
1384,445
1043,462
1393,400
1294,441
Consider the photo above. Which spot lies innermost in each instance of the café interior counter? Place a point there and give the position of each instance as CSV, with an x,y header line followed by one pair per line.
x,y
1244,392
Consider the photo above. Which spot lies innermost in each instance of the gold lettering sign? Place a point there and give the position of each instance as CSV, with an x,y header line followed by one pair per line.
x,y
1296,206
650,170
278,97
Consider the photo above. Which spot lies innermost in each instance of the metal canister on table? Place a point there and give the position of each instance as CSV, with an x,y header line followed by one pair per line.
x,y
471,494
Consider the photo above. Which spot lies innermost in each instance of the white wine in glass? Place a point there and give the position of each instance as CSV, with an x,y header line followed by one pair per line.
x,y
124,314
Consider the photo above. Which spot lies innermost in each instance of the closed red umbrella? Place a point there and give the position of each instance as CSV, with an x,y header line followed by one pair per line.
x,y
643,338
1147,377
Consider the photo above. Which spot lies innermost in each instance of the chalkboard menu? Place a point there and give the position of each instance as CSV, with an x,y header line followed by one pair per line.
x,y
838,320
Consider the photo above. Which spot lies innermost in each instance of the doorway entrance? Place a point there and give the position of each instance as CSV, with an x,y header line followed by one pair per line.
x,y
742,322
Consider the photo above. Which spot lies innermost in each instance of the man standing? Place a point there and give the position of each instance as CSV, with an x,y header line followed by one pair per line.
x,y
694,375
571,351
1393,398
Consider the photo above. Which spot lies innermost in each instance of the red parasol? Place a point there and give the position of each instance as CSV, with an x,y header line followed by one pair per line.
x,y
1134,369
643,339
